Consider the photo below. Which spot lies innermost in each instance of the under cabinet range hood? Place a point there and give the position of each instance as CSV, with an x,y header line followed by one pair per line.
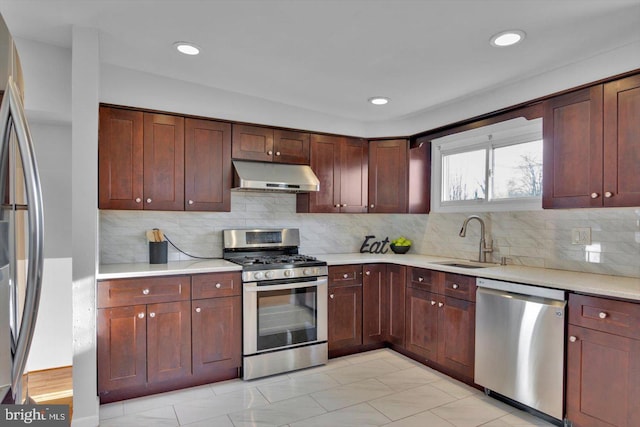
x,y
260,176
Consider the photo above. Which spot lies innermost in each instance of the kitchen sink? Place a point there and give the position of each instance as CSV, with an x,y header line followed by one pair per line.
x,y
464,264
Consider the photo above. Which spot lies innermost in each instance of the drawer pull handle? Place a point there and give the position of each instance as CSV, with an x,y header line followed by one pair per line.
x,y
345,276
218,285
433,302
331,296
420,279
368,273
602,315
440,304
145,292
152,314
198,309
455,286
140,315
573,339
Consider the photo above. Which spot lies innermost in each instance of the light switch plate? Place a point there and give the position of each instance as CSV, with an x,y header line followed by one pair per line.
x,y
581,236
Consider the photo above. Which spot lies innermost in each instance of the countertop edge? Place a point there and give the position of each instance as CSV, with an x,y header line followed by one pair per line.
x,y
621,287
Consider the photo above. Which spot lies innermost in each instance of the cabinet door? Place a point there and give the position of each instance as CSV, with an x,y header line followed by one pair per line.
x,y
163,162
324,160
603,379
207,171
456,334
252,143
419,177
120,159
291,147
217,335
396,291
421,336
375,309
122,348
388,176
354,176
572,131
345,316
621,143
168,341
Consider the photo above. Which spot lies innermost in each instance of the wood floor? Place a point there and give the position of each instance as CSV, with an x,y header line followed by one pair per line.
x,y
52,386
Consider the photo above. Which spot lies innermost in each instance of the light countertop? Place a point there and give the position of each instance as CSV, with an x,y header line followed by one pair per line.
x,y
596,284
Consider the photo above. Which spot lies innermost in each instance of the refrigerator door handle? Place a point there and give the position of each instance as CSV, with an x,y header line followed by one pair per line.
x,y
12,114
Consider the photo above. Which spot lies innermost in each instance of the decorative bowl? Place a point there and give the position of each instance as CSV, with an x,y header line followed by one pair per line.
x,y
400,249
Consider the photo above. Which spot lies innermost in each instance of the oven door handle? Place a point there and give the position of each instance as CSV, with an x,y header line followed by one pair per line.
x,y
252,287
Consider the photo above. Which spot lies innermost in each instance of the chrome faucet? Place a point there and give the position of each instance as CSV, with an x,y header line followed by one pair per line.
x,y
483,249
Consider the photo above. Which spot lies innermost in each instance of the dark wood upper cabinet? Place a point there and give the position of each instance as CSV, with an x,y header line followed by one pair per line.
x,y
591,150
270,145
622,142
252,143
208,172
388,176
120,159
291,147
399,176
341,165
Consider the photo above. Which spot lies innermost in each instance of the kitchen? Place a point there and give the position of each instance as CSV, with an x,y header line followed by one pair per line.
x,y
531,238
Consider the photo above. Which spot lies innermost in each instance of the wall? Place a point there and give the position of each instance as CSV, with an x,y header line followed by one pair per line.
x,y
536,238
122,233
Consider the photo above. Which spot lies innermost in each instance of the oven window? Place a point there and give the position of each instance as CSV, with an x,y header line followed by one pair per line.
x,y
287,317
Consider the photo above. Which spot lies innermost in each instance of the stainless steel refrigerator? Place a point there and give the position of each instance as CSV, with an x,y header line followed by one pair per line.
x,y
21,229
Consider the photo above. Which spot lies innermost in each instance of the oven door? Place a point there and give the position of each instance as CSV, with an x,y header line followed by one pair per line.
x,y
283,314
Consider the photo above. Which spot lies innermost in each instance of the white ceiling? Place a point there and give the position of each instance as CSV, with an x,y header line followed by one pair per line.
x,y
330,56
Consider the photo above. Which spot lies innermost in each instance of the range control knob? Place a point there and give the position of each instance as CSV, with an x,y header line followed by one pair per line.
x,y
288,273
307,272
268,275
257,275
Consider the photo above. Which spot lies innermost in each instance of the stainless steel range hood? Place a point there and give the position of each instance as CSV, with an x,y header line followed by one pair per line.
x,y
259,176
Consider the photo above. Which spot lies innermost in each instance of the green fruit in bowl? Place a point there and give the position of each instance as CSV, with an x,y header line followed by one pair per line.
x,y
401,241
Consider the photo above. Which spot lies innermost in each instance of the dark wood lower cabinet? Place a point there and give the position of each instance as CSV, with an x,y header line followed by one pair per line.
x,y
421,336
397,284
217,335
345,316
375,297
122,347
440,328
172,341
603,366
168,341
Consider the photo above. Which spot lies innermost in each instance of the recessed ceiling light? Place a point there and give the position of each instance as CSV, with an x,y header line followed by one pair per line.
x,y
378,100
187,48
507,38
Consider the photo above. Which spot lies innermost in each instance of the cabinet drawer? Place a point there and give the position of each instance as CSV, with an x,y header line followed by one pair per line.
x,y
426,280
216,285
147,290
607,315
459,286
345,275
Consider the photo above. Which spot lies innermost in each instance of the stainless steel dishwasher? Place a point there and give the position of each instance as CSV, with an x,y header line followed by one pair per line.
x,y
520,339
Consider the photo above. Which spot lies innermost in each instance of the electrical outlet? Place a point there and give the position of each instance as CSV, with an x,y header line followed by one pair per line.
x,y
581,236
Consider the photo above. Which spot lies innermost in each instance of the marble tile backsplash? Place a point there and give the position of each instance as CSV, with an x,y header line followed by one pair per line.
x,y
543,239
531,238
122,233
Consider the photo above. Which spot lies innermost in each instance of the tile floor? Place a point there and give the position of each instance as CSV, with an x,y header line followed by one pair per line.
x,y
377,388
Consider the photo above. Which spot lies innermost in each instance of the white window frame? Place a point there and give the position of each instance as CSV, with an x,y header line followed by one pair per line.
x,y
503,134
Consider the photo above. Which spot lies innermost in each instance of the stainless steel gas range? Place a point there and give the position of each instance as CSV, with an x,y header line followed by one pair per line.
x,y
284,298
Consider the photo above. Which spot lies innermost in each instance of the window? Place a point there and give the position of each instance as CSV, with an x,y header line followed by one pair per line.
x,y
497,167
